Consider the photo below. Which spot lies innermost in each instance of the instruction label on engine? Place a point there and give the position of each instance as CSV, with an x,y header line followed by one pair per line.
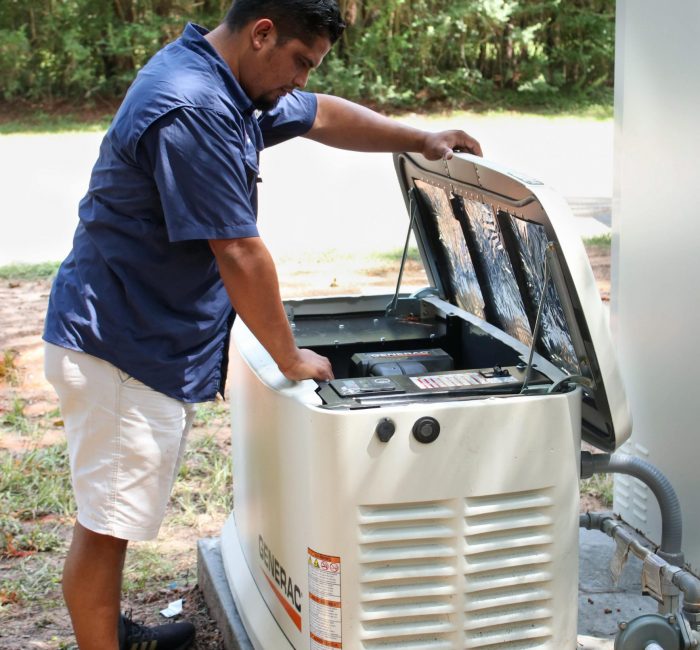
x,y
325,612
461,380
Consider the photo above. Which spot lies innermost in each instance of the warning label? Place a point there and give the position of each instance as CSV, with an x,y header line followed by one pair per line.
x,y
325,624
428,382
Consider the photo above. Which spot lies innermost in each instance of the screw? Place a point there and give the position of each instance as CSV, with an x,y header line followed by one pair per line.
x,y
622,625
672,619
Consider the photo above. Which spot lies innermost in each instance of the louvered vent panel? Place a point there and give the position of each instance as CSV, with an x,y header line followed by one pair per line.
x,y
408,570
508,571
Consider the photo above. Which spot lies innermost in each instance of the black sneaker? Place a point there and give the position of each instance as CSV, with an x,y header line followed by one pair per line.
x,y
171,636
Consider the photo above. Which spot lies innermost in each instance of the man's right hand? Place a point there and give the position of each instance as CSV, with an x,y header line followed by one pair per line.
x,y
308,365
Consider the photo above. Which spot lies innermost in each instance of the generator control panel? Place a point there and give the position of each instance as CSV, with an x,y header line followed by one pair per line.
x,y
388,376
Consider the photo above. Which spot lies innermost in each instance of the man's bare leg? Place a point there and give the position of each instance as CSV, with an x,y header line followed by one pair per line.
x,y
92,583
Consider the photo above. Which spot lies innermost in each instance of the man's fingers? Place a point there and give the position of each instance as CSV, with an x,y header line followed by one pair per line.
x,y
443,145
476,148
308,365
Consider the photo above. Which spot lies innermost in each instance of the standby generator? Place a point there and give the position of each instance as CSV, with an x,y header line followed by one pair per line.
x,y
427,497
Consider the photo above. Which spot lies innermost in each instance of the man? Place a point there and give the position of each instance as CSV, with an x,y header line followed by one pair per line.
x,y
165,254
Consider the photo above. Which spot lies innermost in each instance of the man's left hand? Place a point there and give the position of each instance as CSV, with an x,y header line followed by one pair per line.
x,y
443,144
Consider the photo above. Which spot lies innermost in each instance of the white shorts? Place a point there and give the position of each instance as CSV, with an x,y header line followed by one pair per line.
x,y
125,443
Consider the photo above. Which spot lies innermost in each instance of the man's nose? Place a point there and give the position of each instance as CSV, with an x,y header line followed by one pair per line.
x,y
301,79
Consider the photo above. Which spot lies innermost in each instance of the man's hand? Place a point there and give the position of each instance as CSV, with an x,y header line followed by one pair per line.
x,y
443,144
308,365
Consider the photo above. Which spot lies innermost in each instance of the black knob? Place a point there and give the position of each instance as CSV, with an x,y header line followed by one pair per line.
x,y
426,430
385,429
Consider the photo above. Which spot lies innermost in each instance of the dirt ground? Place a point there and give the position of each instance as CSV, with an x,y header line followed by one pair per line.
x,y
44,624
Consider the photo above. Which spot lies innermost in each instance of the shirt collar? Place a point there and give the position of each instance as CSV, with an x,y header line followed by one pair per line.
x,y
193,38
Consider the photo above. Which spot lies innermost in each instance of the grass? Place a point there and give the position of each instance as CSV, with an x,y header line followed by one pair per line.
x,y
15,420
61,118
210,412
22,540
9,372
598,106
35,484
204,482
395,256
599,486
34,579
146,564
37,505
604,241
40,271
30,119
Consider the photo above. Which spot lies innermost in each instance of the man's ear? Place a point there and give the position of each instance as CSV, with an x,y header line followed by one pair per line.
x,y
262,32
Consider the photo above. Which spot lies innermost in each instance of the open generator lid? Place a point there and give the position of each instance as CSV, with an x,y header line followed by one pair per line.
x,y
503,249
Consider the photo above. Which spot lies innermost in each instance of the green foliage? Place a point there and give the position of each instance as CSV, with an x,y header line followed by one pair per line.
x,y
35,483
33,120
395,256
405,53
17,540
599,486
599,240
204,481
85,48
395,53
40,271
14,418
145,563
36,578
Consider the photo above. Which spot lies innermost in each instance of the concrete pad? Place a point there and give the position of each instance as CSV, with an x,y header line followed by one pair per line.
x,y
603,604
212,581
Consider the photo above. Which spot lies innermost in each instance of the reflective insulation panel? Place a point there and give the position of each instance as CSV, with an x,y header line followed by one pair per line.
x,y
553,337
454,247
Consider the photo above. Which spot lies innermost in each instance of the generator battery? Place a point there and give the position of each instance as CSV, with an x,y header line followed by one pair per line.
x,y
404,362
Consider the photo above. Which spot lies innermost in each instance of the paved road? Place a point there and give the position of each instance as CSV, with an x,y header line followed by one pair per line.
x,y
312,197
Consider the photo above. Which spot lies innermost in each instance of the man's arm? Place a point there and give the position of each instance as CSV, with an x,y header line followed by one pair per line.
x,y
343,124
250,278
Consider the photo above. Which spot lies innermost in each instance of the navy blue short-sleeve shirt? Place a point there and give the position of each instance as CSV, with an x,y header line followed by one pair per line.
x,y
177,167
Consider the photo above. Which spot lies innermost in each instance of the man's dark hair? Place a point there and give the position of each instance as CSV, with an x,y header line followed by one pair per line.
x,y
302,19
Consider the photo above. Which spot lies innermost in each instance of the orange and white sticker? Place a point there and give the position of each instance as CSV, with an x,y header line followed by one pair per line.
x,y
325,605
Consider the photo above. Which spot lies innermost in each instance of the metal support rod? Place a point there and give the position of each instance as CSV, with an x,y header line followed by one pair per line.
x,y
391,309
540,306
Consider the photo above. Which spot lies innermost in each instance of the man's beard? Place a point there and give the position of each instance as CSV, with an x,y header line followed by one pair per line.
x,y
265,104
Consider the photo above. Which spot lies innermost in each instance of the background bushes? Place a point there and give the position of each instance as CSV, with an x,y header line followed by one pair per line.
x,y
395,52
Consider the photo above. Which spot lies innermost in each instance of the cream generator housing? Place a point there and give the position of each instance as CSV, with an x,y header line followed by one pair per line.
x,y
427,497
